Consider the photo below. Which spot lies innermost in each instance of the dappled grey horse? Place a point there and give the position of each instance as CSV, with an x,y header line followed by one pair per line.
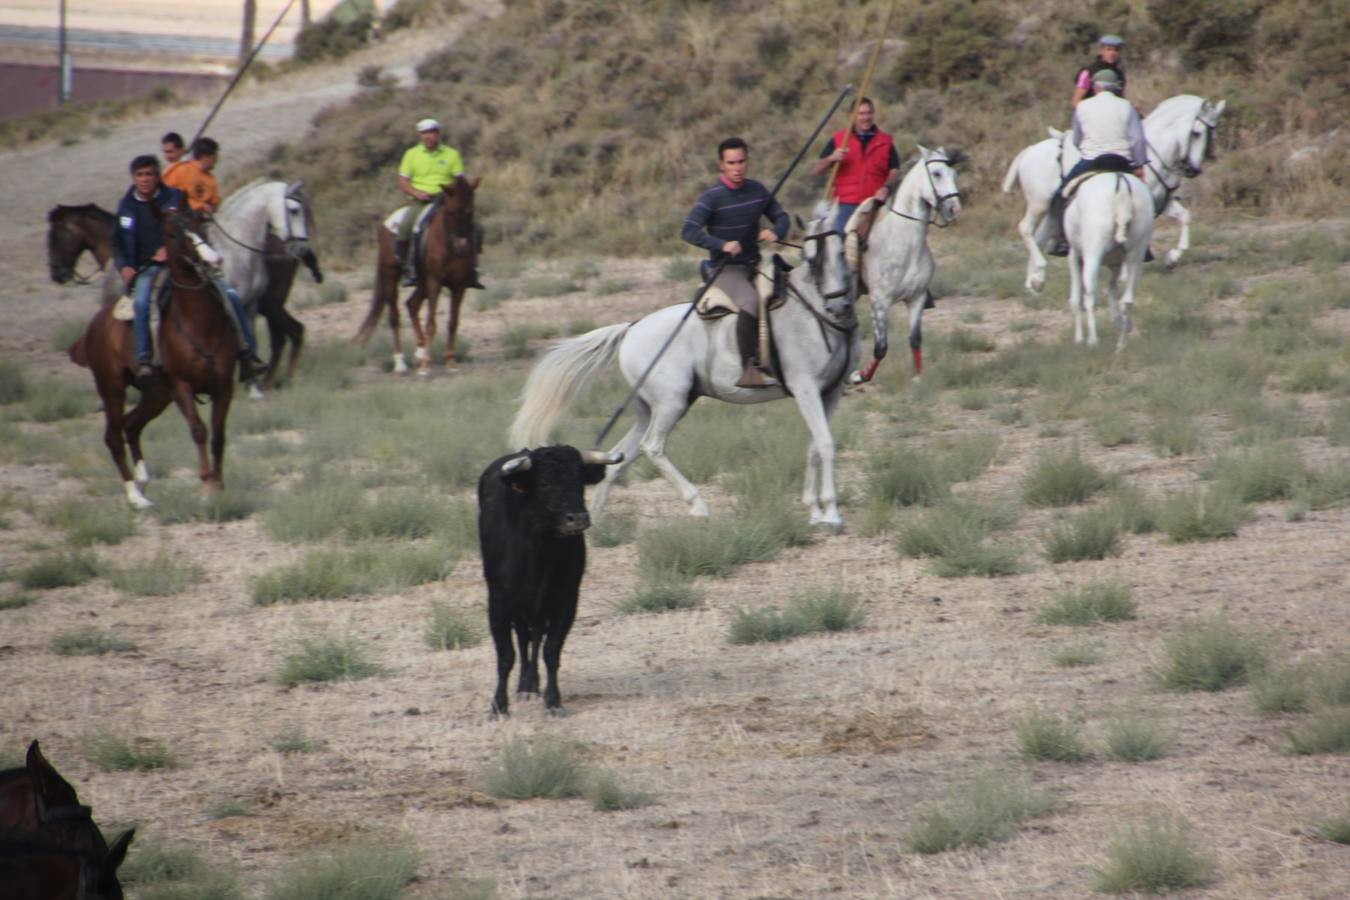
x,y
816,338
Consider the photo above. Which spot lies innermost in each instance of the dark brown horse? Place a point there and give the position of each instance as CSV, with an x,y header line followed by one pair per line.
x,y
71,231
198,347
49,844
447,259
74,230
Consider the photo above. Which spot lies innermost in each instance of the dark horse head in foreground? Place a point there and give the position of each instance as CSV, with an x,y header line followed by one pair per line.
x,y
71,230
447,258
49,844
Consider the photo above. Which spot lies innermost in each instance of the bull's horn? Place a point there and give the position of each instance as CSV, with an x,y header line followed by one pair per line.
x,y
518,464
601,458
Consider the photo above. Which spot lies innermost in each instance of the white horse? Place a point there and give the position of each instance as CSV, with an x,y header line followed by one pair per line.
x,y
1178,133
816,337
260,231
1109,222
897,264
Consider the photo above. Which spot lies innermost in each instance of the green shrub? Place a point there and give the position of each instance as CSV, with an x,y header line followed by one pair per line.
x,y
1157,857
1044,737
294,741
947,44
814,610
1330,680
1112,427
113,753
1137,737
608,794
1325,488
313,511
228,808
87,522
1076,654
661,594
1190,516
1281,690
55,399
905,477
88,641
542,766
983,812
1096,601
680,268
957,536
612,286
1333,828
449,628
333,36
719,546
56,570
1327,731
17,600
153,861
331,575
161,576
1271,472
408,514
551,286
965,341
365,870
613,530
1091,534
1135,510
1062,479
1175,434
1211,656
760,626
13,387
321,656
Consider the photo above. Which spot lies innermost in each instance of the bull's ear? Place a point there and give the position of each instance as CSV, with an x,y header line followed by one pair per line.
x,y
591,473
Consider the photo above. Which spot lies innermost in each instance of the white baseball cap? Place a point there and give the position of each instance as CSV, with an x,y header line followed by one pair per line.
x,y
428,125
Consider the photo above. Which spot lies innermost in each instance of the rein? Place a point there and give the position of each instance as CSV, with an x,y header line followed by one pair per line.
x,y
1180,164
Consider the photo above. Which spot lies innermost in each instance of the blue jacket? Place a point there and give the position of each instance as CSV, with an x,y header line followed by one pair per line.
x,y
138,234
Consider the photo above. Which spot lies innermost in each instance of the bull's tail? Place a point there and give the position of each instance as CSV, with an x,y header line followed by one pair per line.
x,y
1124,208
1010,180
558,377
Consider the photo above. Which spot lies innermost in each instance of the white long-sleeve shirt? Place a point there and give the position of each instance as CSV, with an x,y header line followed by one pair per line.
x,y
1107,124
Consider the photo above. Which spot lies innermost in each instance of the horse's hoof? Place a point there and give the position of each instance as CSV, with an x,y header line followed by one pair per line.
x,y
141,473
700,509
557,712
255,393
856,377
424,371
829,527
400,364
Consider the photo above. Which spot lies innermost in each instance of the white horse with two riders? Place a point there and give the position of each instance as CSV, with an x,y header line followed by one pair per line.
x,y
896,264
815,333
1179,133
1108,223
263,221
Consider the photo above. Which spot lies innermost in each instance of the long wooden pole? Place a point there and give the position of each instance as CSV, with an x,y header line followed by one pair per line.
x,y
862,92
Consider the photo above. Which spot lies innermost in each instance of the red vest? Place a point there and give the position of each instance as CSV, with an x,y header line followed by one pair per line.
x,y
862,172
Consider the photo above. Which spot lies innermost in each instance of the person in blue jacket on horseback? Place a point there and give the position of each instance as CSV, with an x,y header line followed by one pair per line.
x,y
138,247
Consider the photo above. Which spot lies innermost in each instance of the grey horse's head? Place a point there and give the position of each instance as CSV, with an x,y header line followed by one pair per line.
x,y
939,184
291,220
823,254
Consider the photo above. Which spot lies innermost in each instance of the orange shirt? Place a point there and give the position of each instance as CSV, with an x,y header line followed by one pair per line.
x,y
199,187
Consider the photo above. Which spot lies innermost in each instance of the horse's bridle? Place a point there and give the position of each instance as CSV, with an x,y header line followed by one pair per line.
x,y
287,239
1185,170
942,221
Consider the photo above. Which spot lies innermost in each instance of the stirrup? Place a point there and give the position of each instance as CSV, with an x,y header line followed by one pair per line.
x,y
250,368
755,377
1059,248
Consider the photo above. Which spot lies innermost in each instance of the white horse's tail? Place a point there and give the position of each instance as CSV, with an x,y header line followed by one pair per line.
x,y
1124,206
558,377
1010,180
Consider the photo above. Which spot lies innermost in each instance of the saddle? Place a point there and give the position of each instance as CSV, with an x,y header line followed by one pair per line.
x,y
714,304
1071,187
395,221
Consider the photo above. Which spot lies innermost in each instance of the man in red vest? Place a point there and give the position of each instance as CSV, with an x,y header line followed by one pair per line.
x,y
867,161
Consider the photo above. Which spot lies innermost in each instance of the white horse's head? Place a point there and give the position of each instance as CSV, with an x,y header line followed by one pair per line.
x,y
1197,147
938,188
288,213
823,255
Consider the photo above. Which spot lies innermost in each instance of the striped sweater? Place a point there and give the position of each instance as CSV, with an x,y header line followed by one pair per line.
x,y
722,215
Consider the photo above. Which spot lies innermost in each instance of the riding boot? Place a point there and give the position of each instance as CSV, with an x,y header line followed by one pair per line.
x,y
250,366
747,340
780,274
1148,254
474,282
1059,245
405,266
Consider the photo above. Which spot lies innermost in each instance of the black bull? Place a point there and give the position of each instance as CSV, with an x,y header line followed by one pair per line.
x,y
531,519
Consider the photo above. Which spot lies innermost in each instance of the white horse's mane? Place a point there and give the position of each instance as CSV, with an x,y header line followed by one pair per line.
x,y
1182,106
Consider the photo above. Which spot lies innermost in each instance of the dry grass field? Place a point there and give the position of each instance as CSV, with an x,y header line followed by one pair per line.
x,y
1091,609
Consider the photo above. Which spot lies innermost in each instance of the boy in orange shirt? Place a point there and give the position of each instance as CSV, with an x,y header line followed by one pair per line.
x,y
193,177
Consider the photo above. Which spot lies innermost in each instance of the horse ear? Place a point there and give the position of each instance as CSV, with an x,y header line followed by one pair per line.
x,y
117,851
1055,133
475,181
47,782
801,226
1218,110
923,151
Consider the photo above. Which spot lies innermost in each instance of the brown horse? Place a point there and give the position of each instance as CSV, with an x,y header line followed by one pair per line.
x,y
447,259
199,349
49,844
72,230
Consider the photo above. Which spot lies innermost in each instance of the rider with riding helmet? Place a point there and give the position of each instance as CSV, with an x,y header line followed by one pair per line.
x,y
194,177
1108,132
725,222
424,170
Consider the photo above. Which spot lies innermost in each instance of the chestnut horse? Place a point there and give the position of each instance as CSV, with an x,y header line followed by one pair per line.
x,y
198,347
49,844
447,259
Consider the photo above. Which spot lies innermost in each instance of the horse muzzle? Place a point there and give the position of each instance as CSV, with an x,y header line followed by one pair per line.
x,y
1191,171
951,209
61,275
